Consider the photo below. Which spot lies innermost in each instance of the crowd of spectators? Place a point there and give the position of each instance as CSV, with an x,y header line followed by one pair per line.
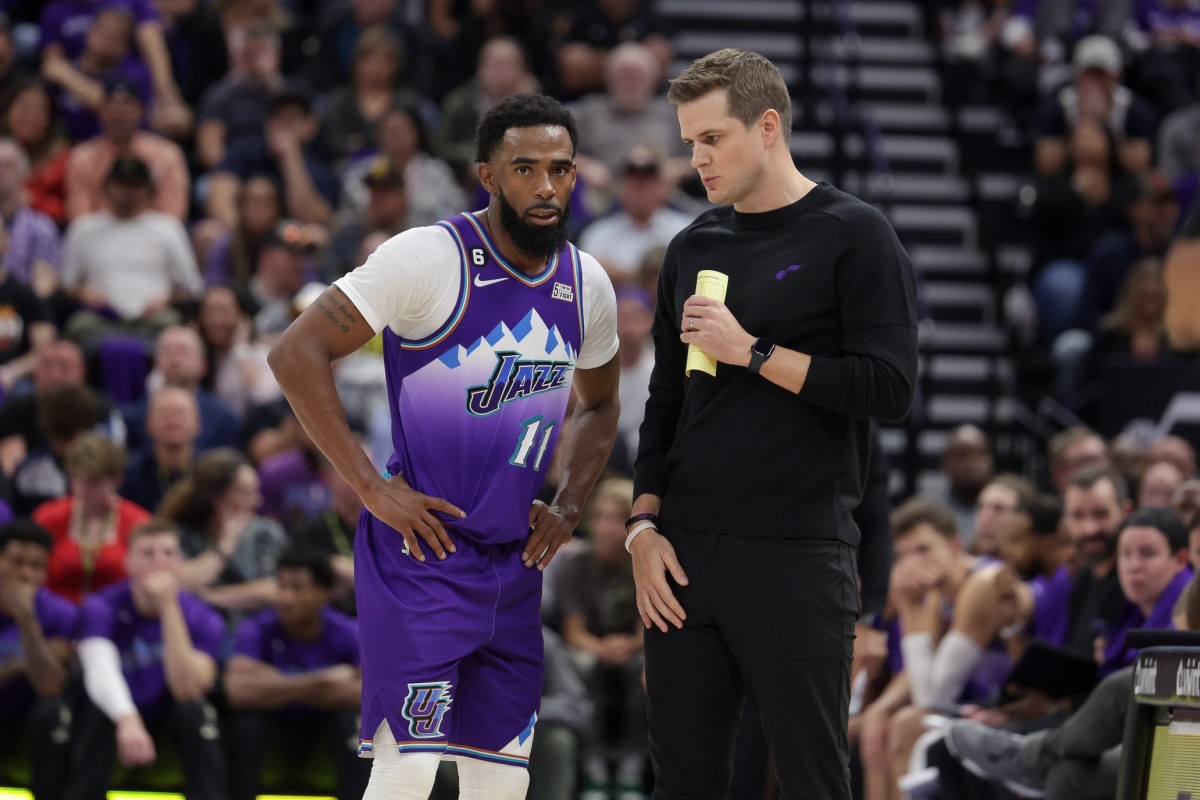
x,y
178,178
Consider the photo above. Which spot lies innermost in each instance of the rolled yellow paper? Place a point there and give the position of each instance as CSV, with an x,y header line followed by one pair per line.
x,y
709,283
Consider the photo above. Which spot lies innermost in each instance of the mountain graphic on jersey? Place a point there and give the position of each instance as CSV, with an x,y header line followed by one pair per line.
x,y
505,365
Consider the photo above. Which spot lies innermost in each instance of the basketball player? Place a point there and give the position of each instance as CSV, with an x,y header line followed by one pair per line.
x,y
489,319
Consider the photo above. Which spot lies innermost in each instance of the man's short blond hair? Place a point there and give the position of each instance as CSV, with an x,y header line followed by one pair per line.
x,y
752,84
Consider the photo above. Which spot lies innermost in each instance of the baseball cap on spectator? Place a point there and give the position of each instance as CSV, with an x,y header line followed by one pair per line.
x,y
289,98
130,172
1097,52
383,175
121,86
642,160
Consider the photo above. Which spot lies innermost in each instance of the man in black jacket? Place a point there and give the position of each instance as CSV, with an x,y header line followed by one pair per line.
x,y
742,537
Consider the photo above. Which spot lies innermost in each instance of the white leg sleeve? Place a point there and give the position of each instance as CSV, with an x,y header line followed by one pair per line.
x,y
482,780
396,776
917,649
957,656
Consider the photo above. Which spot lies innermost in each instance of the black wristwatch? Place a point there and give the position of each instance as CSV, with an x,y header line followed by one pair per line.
x,y
760,351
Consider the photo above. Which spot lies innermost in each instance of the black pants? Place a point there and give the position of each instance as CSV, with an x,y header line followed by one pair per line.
x,y
194,728
251,733
46,726
772,616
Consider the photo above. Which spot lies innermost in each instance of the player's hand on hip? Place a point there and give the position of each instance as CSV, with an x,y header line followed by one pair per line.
x,y
548,531
709,324
653,558
397,504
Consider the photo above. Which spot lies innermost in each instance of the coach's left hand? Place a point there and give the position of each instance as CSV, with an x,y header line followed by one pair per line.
x,y
710,324
549,530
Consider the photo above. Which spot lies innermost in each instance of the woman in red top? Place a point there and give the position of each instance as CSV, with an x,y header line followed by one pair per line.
x,y
27,115
90,525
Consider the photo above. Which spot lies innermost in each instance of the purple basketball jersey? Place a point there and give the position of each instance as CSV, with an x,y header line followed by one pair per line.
x,y
57,618
477,406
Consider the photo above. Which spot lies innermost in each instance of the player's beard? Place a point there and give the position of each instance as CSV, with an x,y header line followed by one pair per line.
x,y
535,241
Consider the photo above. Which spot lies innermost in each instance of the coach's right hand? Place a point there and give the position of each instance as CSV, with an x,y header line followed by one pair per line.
x,y
653,558
397,504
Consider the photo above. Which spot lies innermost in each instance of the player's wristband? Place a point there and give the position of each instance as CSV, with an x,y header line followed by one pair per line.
x,y
642,517
637,529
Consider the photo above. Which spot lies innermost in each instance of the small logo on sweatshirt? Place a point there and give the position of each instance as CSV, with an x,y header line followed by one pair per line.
x,y
784,272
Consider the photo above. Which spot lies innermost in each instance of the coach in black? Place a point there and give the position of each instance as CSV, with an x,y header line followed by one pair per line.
x,y
742,538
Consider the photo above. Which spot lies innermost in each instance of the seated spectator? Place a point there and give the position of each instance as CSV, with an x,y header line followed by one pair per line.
x,y
122,138
565,718
293,682
627,113
235,109
126,265
1159,484
1070,212
642,220
12,67
1153,213
1177,450
179,361
1096,93
90,525
59,363
64,413
501,72
233,258
285,153
635,316
27,114
293,485
284,266
386,211
1073,449
1185,502
25,326
1081,757
169,455
938,657
1165,35
968,466
36,629
338,34
598,30
431,186
106,57
352,113
149,653
331,532
1178,145
34,255
65,25
603,634
1132,332
231,551
237,372
993,512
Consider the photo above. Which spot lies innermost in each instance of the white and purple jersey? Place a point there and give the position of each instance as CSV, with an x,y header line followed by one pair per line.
x,y
111,614
57,618
479,359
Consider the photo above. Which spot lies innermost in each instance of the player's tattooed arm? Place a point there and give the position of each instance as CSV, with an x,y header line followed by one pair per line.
x,y
337,310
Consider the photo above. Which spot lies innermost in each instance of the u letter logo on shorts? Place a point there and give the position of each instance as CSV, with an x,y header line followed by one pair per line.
x,y
425,707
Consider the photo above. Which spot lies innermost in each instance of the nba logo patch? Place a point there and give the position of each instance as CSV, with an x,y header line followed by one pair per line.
x,y
425,707
563,292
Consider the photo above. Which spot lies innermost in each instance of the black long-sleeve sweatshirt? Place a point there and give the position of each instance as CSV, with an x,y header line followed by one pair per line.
x,y
738,454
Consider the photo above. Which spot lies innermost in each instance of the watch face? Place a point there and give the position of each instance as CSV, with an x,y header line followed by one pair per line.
x,y
762,348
